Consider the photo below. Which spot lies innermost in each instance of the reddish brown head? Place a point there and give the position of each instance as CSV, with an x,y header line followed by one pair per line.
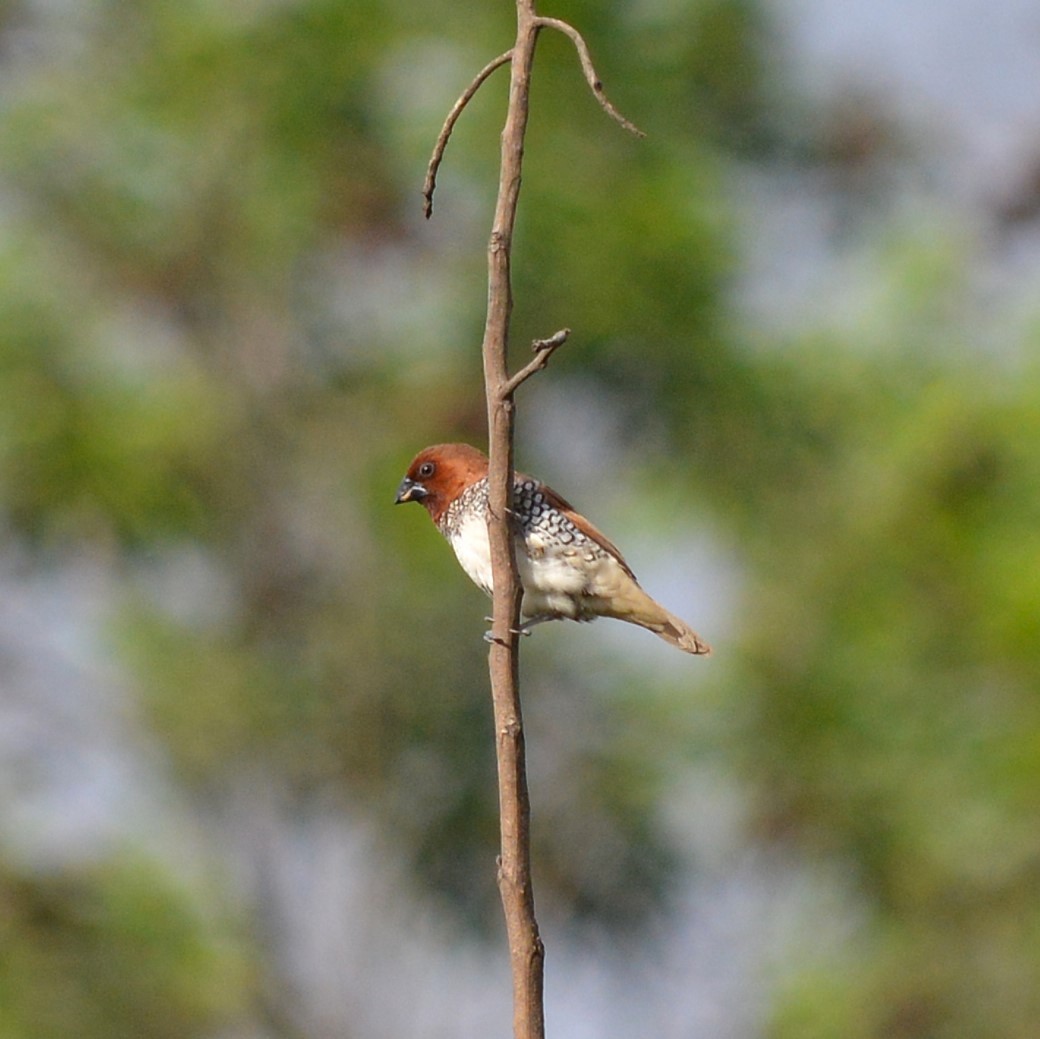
x,y
439,474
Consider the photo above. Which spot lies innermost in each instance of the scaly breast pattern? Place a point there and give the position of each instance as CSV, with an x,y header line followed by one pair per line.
x,y
564,572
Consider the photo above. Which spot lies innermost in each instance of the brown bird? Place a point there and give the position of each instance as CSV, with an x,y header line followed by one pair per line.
x,y
568,569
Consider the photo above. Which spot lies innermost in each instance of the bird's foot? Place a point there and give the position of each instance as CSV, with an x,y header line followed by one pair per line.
x,y
490,638
541,618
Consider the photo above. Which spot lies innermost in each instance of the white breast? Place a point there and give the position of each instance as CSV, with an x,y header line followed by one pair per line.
x,y
560,581
473,550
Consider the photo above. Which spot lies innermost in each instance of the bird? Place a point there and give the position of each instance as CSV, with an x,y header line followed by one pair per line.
x,y
568,569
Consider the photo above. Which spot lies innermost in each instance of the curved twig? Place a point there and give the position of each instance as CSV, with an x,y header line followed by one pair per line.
x,y
449,124
591,76
543,349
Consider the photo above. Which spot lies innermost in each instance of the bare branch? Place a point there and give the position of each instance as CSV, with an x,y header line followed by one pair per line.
x,y
527,953
591,76
543,349
449,124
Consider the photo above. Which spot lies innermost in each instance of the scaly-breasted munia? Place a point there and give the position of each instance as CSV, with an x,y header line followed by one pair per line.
x,y
568,569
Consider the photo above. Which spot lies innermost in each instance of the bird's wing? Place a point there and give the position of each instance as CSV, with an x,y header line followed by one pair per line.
x,y
587,528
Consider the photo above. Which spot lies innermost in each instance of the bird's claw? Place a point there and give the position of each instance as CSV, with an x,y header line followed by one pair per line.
x,y
489,637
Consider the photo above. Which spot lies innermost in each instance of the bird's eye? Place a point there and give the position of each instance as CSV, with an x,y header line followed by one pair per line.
x,y
426,470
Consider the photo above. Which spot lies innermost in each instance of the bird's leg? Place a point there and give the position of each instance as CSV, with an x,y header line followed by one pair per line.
x,y
540,618
524,629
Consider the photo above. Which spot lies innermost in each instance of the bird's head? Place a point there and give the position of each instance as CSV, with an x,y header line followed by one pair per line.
x,y
439,474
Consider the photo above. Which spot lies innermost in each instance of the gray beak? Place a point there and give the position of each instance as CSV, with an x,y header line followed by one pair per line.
x,y
410,491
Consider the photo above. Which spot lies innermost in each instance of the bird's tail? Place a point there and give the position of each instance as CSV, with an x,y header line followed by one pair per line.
x,y
639,608
677,632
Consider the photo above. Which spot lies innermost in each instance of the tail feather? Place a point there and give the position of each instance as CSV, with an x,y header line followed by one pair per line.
x,y
618,594
679,634
636,607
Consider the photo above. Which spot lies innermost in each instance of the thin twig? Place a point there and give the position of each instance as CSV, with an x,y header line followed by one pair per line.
x,y
591,76
543,349
449,124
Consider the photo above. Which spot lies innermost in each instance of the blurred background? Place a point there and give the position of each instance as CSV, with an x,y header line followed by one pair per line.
x,y
246,761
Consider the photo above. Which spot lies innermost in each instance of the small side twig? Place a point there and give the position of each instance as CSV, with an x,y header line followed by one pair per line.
x,y
543,349
449,124
591,76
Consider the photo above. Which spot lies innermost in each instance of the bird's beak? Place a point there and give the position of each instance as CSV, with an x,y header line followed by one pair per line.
x,y
410,491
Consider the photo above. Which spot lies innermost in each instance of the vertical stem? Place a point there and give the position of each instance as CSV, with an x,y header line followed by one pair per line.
x,y
514,871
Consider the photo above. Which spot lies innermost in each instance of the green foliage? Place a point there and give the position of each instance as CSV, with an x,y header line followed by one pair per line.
x,y
892,659
116,950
